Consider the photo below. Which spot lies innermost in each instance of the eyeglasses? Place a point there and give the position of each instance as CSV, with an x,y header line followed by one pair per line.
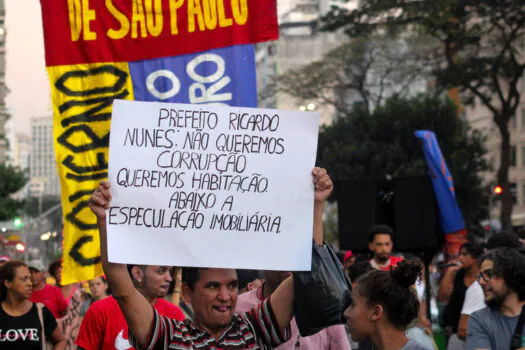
x,y
486,275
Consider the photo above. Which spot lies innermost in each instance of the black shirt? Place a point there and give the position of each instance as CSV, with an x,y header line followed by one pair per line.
x,y
454,306
25,332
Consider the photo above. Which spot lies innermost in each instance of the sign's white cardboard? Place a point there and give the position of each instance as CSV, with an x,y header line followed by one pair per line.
x,y
211,186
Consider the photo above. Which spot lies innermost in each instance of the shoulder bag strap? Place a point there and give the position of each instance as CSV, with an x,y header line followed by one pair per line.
x,y
515,342
41,317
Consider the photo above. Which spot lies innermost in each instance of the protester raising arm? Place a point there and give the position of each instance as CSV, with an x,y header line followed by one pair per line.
x,y
138,312
136,309
283,297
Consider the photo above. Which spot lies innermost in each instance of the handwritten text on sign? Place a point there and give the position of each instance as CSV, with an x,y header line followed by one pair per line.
x,y
211,186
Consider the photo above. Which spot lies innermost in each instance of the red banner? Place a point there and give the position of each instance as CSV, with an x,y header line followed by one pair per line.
x,y
91,31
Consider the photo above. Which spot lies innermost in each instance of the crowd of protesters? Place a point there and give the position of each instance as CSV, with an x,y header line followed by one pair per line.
x,y
481,294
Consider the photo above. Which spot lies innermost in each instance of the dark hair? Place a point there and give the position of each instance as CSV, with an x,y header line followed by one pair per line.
x,y
393,291
380,229
474,249
508,240
510,265
247,276
103,278
53,267
190,276
358,269
131,266
8,273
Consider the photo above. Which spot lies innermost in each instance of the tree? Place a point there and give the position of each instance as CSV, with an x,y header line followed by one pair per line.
x,y
360,72
11,181
382,143
479,49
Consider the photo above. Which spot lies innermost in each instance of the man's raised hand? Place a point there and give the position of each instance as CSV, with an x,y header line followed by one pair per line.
x,y
323,184
99,200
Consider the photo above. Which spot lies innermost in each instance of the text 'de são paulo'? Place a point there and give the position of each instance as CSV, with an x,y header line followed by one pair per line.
x,y
211,186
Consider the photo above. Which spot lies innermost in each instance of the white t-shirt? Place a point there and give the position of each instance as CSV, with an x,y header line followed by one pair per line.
x,y
474,299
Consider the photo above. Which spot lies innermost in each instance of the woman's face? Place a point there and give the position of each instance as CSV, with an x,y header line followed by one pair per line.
x,y
98,287
358,317
21,285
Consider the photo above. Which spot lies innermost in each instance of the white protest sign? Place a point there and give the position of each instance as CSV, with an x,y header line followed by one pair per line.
x,y
211,186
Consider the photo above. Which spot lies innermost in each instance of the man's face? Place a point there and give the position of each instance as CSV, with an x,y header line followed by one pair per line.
x,y
381,247
37,276
98,287
157,281
494,287
214,298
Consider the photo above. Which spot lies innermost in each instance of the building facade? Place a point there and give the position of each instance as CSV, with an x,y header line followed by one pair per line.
x,y
300,43
43,170
4,115
480,117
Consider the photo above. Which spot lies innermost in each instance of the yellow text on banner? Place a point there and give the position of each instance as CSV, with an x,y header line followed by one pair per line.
x,y
82,99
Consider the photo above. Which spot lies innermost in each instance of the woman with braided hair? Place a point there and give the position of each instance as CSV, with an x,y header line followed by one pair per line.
x,y
384,305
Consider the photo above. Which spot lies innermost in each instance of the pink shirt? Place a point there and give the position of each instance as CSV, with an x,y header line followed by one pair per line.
x,y
333,338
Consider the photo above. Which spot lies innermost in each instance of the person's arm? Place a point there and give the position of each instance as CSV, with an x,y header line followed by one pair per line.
x,y
137,311
58,340
61,302
477,335
52,330
447,284
474,301
283,297
462,326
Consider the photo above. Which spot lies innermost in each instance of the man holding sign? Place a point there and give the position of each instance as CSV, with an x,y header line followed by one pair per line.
x,y
213,295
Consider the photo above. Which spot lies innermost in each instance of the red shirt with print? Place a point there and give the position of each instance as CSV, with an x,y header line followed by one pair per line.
x,y
52,298
393,261
104,325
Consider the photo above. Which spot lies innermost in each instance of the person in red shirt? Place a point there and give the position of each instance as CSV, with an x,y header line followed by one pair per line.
x,y
380,244
44,293
104,325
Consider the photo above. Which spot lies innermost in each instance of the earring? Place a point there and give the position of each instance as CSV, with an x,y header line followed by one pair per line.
x,y
140,280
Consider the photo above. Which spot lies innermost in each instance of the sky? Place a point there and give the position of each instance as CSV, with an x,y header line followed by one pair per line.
x,y
26,75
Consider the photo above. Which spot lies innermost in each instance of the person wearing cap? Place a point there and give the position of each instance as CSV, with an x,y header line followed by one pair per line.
x,y
50,296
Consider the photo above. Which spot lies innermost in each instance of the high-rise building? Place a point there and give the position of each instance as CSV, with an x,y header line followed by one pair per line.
x,y
300,43
43,171
4,115
20,151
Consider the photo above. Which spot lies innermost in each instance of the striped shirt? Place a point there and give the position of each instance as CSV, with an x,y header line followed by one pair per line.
x,y
255,329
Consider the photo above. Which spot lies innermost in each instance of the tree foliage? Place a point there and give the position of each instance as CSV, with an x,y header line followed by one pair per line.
x,y
479,48
11,181
382,143
359,71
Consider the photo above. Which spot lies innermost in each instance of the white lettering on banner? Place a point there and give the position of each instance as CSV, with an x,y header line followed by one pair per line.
x,y
150,83
198,91
12,335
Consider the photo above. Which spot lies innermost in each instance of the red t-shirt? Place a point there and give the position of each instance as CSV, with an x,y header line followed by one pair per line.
x,y
393,261
52,298
104,325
